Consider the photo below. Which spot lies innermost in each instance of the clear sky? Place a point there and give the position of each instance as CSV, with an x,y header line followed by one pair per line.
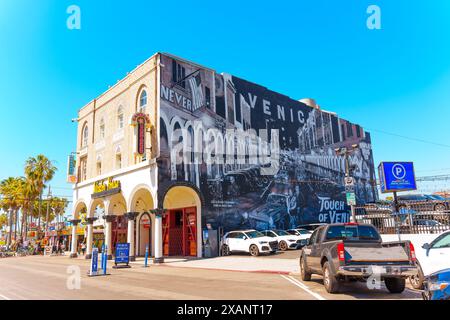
x,y
394,80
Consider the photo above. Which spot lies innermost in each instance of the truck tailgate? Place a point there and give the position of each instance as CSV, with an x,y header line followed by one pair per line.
x,y
380,254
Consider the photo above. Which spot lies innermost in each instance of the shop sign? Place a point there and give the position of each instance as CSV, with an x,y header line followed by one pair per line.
x,y
94,262
122,253
105,188
71,165
141,121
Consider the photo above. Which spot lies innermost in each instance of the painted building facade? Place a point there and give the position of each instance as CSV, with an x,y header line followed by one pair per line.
x,y
211,151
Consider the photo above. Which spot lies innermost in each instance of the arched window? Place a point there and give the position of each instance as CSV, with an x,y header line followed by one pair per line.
x,y
84,136
118,158
99,165
120,117
102,128
143,101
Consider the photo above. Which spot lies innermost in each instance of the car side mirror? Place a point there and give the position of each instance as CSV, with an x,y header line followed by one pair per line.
x,y
427,247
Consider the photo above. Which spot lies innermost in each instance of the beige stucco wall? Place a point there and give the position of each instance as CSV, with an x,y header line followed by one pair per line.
x,y
126,94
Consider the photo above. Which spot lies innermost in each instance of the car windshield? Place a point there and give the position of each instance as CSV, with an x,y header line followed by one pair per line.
x,y
254,234
276,200
303,231
281,232
352,232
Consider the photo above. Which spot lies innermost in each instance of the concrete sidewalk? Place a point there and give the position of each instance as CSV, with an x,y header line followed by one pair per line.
x,y
235,263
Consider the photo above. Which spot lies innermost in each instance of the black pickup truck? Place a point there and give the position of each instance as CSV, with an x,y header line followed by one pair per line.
x,y
349,252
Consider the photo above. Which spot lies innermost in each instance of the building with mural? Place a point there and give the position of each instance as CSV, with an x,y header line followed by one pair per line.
x,y
175,148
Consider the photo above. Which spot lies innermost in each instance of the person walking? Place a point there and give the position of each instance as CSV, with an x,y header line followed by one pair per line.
x,y
83,248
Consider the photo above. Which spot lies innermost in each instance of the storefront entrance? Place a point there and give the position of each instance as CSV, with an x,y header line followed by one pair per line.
x,y
119,231
180,232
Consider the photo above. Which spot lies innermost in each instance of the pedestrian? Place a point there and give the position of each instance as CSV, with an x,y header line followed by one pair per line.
x,y
83,248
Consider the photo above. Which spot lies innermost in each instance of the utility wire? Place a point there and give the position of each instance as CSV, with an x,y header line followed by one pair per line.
x,y
410,138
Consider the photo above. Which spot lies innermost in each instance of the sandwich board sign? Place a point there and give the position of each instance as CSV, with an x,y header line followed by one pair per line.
x,y
122,254
397,176
94,263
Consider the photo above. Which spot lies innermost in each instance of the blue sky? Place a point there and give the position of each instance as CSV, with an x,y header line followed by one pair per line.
x,y
394,80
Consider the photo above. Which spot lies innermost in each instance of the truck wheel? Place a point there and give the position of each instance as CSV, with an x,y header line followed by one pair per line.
x,y
254,251
283,246
329,280
395,285
304,274
417,280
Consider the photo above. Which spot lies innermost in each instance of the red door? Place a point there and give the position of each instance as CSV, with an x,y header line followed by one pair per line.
x,y
180,232
119,231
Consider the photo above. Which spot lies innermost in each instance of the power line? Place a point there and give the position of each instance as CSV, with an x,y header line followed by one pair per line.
x,y
410,138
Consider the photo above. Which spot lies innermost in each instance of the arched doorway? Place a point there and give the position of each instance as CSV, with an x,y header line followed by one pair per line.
x,y
145,234
142,202
182,222
119,225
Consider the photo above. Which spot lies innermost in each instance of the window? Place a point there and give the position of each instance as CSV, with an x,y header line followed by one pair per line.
x,y
442,241
102,129
208,97
99,167
352,233
83,166
118,161
85,136
178,73
120,117
143,101
349,130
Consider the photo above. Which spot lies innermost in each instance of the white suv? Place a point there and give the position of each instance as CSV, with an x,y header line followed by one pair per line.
x,y
251,241
284,239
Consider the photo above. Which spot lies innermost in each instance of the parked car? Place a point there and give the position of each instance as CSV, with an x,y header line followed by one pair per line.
x,y
432,257
250,241
349,251
302,233
420,202
285,239
429,226
437,286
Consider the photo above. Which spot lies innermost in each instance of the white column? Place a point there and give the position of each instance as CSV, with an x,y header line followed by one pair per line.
x,y
130,235
74,247
89,238
108,239
158,240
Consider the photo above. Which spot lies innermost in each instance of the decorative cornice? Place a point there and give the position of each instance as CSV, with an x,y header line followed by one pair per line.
x,y
75,222
131,215
109,217
91,220
158,212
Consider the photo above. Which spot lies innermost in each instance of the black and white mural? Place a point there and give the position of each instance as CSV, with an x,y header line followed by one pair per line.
x,y
259,158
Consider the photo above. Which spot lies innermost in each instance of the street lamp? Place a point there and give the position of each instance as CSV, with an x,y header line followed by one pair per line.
x,y
345,152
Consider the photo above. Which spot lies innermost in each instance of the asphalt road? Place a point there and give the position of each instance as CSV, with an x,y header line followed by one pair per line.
x,y
42,278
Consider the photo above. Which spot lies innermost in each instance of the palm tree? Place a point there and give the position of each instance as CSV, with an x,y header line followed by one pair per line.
x,y
39,170
10,191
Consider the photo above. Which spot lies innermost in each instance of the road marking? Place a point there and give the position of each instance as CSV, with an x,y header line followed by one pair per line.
x,y
302,286
4,297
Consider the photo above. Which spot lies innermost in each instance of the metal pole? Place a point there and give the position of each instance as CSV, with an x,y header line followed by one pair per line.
x,y
146,256
48,208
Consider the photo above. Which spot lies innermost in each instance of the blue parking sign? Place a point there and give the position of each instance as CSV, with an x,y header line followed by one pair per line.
x,y
396,176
